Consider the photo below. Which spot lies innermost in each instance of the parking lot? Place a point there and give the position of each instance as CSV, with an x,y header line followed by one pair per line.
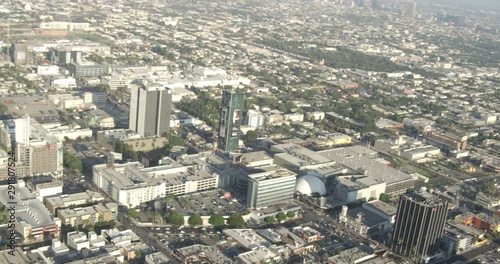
x,y
90,153
206,203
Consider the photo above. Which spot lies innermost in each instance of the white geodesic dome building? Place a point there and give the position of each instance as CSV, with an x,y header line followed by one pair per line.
x,y
309,184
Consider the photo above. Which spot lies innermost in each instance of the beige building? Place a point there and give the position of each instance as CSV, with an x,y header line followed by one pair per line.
x,y
66,200
88,215
44,158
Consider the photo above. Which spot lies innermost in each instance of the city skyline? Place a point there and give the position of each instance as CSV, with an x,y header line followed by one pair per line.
x,y
250,131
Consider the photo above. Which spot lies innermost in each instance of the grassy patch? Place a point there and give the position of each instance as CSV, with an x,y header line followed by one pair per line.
x,y
93,38
426,173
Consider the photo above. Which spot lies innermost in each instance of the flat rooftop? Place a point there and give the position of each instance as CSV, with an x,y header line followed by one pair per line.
x,y
210,253
82,211
381,206
298,155
255,156
158,258
425,198
47,185
175,174
69,198
126,176
31,105
201,158
328,169
353,255
247,238
368,218
272,174
28,208
18,258
40,133
418,150
361,159
256,256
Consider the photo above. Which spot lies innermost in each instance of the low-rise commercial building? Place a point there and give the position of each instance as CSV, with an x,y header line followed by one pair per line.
x,y
88,215
481,221
48,189
77,240
447,142
487,201
407,148
367,170
333,139
203,254
457,240
354,255
358,188
32,218
364,222
307,233
66,200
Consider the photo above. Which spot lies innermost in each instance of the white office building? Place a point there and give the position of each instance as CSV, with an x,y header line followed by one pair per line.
x,y
270,187
255,119
131,184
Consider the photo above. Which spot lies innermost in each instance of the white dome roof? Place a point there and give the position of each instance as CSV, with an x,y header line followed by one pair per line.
x,y
310,184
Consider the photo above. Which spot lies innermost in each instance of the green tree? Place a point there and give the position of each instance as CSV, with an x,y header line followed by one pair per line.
x,y
236,220
71,162
251,136
204,107
132,213
290,214
281,217
325,256
315,195
216,220
156,217
175,141
384,197
195,220
174,218
138,253
126,150
269,220
168,198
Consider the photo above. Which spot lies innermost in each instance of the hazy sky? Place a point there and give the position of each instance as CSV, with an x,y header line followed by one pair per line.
x,y
482,4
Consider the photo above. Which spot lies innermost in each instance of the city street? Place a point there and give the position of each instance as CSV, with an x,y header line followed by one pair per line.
x,y
146,236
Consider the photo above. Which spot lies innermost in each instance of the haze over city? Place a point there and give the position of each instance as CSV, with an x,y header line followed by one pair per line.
x,y
215,131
